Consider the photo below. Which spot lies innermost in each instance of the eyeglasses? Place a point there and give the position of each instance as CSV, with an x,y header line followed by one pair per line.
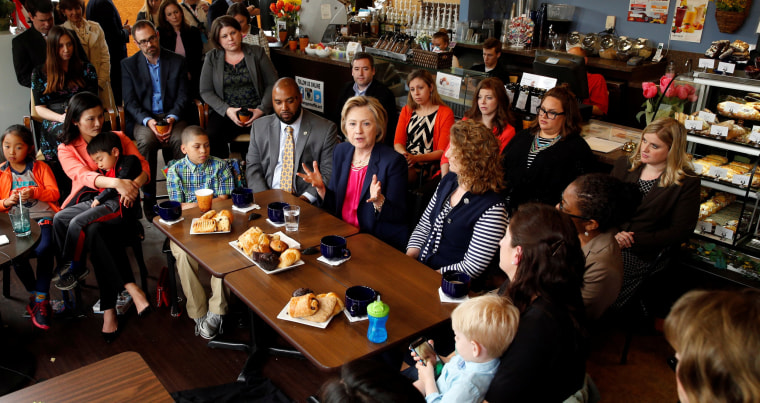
x,y
549,114
152,38
562,209
673,363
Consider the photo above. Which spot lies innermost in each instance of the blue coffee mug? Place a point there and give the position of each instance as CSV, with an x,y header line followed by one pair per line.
x,y
357,299
275,213
169,210
334,247
455,284
242,197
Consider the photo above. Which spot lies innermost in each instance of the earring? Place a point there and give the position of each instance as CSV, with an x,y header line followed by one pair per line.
x,y
585,233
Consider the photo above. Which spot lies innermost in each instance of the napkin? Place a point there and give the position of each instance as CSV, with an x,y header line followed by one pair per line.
x,y
246,209
354,318
162,221
4,240
274,224
446,298
333,262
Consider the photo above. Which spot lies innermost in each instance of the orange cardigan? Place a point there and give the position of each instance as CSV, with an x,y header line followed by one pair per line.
x,y
441,130
46,189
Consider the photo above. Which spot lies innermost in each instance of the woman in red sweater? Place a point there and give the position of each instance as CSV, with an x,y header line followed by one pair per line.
x,y
422,133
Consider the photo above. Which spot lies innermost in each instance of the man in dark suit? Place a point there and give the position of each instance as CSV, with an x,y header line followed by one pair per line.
x,y
29,48
154,82
117,35
363,72
281,142
491,63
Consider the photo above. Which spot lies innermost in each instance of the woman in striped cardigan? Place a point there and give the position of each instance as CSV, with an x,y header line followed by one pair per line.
x,y
464,221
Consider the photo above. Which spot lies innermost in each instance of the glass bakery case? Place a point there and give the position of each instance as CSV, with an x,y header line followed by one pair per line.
x,y
724,141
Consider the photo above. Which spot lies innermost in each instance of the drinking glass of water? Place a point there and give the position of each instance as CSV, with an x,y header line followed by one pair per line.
x,y
292,216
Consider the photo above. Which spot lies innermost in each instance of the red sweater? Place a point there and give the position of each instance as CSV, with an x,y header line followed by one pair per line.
x,y
441,130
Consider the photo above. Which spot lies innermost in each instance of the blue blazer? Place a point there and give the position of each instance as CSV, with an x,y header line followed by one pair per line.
x,y
390,167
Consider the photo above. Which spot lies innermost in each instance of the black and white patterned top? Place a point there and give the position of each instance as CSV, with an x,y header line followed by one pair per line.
x,y
484,243
420,133
646,186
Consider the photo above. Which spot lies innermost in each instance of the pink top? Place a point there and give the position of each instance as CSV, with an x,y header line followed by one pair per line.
x,y
82,170
179,47
353,195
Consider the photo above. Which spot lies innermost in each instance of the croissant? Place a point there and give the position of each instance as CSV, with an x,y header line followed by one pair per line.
x,y
209,214
289,257
247,239
263,239
305,305
202,225
277,245
326,310
339,305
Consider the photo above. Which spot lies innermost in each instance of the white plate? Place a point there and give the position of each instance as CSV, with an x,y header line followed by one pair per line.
x,y
292,243
205,233
284,316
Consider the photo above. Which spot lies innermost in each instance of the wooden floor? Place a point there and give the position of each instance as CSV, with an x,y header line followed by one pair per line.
x,y
183,361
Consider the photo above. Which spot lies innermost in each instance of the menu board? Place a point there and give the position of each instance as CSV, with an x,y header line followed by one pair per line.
x,y
652,11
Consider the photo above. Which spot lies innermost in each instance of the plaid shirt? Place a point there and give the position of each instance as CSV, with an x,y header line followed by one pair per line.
x,y
184,178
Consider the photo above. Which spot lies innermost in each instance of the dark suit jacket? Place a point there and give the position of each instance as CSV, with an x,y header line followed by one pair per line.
x,y
105,13
138,91
380,92
499,72
316,140
552,169
666,216
30,50
191,40
391,169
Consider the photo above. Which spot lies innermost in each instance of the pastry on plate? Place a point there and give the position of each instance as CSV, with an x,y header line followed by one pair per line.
x,y
209,214
305,305
204,225
289,257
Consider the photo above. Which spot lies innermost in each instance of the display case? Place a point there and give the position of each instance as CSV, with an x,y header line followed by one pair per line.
x,y
724,136
455,85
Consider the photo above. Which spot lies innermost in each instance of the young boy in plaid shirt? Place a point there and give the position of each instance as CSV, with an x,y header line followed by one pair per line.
x,y
199,170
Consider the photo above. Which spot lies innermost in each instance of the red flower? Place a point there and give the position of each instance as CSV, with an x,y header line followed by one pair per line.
x,y
671,92
649,89
682,92
272,8
664,81
298,8
280,4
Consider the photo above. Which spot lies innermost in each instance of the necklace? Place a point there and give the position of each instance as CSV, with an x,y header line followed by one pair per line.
x,y
360,163
536,146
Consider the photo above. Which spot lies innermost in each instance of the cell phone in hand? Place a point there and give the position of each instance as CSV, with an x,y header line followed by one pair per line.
x,y
424,350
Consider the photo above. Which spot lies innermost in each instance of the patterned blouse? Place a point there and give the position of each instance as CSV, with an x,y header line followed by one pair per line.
x,y
57,102
420,133
239,90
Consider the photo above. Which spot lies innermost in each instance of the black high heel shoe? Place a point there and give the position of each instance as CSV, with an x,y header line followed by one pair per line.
x,y
110,337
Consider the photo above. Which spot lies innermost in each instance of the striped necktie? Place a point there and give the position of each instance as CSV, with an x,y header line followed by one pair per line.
x,y
286,176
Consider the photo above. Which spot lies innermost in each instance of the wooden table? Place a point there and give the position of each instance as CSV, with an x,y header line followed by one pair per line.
x,y
410,288
122,378
16,247
213,251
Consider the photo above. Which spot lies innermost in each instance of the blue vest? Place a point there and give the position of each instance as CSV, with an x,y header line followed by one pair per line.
x,y
459,223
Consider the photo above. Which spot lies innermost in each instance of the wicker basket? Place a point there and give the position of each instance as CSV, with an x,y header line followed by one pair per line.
x,y
730,21
432,60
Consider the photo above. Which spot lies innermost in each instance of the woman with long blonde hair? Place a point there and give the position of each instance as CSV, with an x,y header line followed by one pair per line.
x,y
670,200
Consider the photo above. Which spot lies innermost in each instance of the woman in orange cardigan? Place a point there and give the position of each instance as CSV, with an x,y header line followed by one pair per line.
x,y
422,133
31,183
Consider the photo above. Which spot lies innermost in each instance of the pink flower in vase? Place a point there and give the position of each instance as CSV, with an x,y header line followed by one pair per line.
x,y
649,89
664,81
682,92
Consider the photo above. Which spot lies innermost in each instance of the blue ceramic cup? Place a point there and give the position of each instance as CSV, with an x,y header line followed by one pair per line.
x,y
169,210
455,284
274,211
333,247
242,197
357,299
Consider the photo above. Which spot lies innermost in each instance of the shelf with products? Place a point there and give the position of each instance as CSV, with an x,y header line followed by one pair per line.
x,y
727,235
